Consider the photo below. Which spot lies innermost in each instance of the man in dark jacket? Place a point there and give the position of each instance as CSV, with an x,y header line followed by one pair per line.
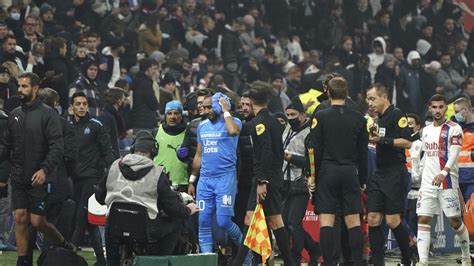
x,y
151,187
245,162
93,155
145,104
34,144
112,118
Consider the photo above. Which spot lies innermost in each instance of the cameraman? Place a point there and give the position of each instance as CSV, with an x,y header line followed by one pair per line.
x,y
150,188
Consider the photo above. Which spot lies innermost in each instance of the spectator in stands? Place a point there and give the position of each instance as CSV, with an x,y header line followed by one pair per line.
x,y
169,136
387,75
460,62
168,91
145,103
10,53
112,118
149,37
377,56
410,83
448,78
89,84
62,72
8,86
31,28
447,35
333,27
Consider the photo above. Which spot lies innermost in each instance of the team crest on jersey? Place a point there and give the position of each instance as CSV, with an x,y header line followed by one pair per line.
x,y
314,123
403,122
260,128
87,131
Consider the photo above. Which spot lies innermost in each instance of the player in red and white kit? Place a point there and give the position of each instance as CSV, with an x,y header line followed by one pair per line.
x,y
442,142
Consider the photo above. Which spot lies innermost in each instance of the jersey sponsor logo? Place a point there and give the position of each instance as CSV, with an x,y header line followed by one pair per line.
x,y
227,200
314,123
403,122
210,146
434,149
260,128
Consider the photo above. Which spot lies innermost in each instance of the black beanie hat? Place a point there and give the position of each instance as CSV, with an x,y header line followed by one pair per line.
x,y
144,142
296,104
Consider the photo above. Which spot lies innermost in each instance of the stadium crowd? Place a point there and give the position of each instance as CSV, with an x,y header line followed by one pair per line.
x,y
98,93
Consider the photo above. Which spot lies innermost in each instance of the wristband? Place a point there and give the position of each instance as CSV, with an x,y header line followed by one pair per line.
x,y
227,114
444,173
192,179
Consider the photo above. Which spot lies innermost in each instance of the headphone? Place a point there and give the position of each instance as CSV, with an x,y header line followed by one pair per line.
x,y
154,150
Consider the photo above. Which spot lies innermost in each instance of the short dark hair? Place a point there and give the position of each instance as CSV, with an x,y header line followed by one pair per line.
x,y
113,95
121,83
146,63
260,92
379,88
415,117
9,36
337,88
204,92
77,95
56,44
49,96
438,98
32,77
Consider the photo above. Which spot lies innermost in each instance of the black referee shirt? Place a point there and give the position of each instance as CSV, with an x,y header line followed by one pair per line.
x,y
393,123
267,147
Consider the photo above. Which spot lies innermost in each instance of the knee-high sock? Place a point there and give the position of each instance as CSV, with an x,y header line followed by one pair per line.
x,y
463,236
283,241
327,244
377,243
205,233
225,222
356,242
423,242
401,235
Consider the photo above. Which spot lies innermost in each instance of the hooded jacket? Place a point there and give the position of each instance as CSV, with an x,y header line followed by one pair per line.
x,y
376,60
410,84
34,141
148,183
145,104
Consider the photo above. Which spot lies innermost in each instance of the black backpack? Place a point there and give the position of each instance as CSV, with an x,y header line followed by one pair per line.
x,y
57,256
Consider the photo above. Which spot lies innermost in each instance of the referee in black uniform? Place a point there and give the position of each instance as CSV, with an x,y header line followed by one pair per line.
x,y
339,137
268,175
387,190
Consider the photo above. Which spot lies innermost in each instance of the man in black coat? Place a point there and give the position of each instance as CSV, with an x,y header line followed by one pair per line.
x,y
145,104
34,144
112,118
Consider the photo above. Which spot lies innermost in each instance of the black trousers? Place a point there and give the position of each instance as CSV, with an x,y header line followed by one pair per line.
x,y
83,190
294,210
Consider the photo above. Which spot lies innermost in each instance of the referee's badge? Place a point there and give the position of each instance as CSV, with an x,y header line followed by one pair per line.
x,y
260,128
314,123
403,122
382,132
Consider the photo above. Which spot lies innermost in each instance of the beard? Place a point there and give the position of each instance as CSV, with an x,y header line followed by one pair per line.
x,y
25,98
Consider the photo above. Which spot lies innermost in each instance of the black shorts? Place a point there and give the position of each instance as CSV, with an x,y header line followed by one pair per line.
x,y
25,196
272,205
338,190
387,190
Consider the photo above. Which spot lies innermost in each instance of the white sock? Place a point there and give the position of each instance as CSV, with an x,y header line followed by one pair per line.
x,y
463,236
423,242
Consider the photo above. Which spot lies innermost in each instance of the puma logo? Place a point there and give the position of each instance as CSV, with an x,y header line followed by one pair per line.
x,y
17,118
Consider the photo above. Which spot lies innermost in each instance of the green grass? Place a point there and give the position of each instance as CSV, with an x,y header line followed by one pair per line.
x,y
8,258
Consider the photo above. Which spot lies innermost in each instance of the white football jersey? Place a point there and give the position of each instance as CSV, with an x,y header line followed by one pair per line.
x,y
436,144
